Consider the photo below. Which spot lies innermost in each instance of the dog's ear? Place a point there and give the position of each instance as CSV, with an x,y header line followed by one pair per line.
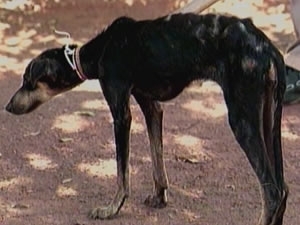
x,y
42,69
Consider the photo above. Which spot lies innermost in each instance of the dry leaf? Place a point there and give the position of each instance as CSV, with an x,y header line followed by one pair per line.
x,y
32,134
230,186
20,206
186,159
64,140
68,180
86,113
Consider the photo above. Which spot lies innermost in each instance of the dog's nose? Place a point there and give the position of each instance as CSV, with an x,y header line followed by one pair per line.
x,y
8,107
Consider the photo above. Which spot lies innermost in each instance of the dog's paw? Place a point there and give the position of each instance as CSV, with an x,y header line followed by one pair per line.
x,y
101,213
155,201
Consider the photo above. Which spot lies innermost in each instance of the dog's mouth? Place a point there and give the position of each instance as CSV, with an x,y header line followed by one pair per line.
x,y
21,109
25,101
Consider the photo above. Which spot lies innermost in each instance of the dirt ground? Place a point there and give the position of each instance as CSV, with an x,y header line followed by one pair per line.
x,y
58,162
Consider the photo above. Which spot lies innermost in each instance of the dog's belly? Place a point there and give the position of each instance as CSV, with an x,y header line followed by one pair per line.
x,y
161,95
162,91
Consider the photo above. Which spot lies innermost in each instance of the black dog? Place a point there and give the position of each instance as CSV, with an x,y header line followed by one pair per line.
x,y
154,60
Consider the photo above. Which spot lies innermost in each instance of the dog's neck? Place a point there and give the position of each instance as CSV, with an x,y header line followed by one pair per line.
x,y
93,52
90,54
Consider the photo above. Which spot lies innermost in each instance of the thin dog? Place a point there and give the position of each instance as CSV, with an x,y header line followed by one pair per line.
x,y
154,60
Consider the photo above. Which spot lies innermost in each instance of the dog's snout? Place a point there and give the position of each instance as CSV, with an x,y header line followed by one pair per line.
x,y
15,105
11,107
8,107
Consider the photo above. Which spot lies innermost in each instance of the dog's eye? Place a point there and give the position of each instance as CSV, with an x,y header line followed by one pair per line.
x,y
25,80
27,83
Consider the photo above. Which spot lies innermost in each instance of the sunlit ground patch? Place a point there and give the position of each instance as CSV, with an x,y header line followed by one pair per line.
x,y
146,159
3,26
188,140
63,191
40,162
206,87
71,123
190,216
287,127
290,136
189,193
89,86
12,64
13,4
137,127
293,119
95,104
13,182
193,150
276,16
101,168
210,107
215,109
12,48
15,45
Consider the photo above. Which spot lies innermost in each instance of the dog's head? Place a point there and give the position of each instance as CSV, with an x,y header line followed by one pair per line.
x,y
45,76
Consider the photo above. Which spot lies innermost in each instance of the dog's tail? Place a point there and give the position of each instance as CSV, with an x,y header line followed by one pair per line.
x,y
272,113
281,74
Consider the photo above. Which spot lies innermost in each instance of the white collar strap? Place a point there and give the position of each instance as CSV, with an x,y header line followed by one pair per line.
x,y
72,57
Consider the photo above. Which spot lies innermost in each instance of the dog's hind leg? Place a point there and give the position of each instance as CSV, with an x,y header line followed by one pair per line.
x,y
153,116
117,96
247,112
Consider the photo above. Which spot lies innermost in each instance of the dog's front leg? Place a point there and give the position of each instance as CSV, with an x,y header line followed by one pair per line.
x,y
154,115
118,101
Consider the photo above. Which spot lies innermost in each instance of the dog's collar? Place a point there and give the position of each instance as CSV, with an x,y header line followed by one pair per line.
x,y
72,57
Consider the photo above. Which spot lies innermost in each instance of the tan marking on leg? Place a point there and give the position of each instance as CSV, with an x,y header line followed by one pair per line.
x,y
272,75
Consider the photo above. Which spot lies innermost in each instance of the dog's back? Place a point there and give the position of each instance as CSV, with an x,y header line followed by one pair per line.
x,y
178,49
